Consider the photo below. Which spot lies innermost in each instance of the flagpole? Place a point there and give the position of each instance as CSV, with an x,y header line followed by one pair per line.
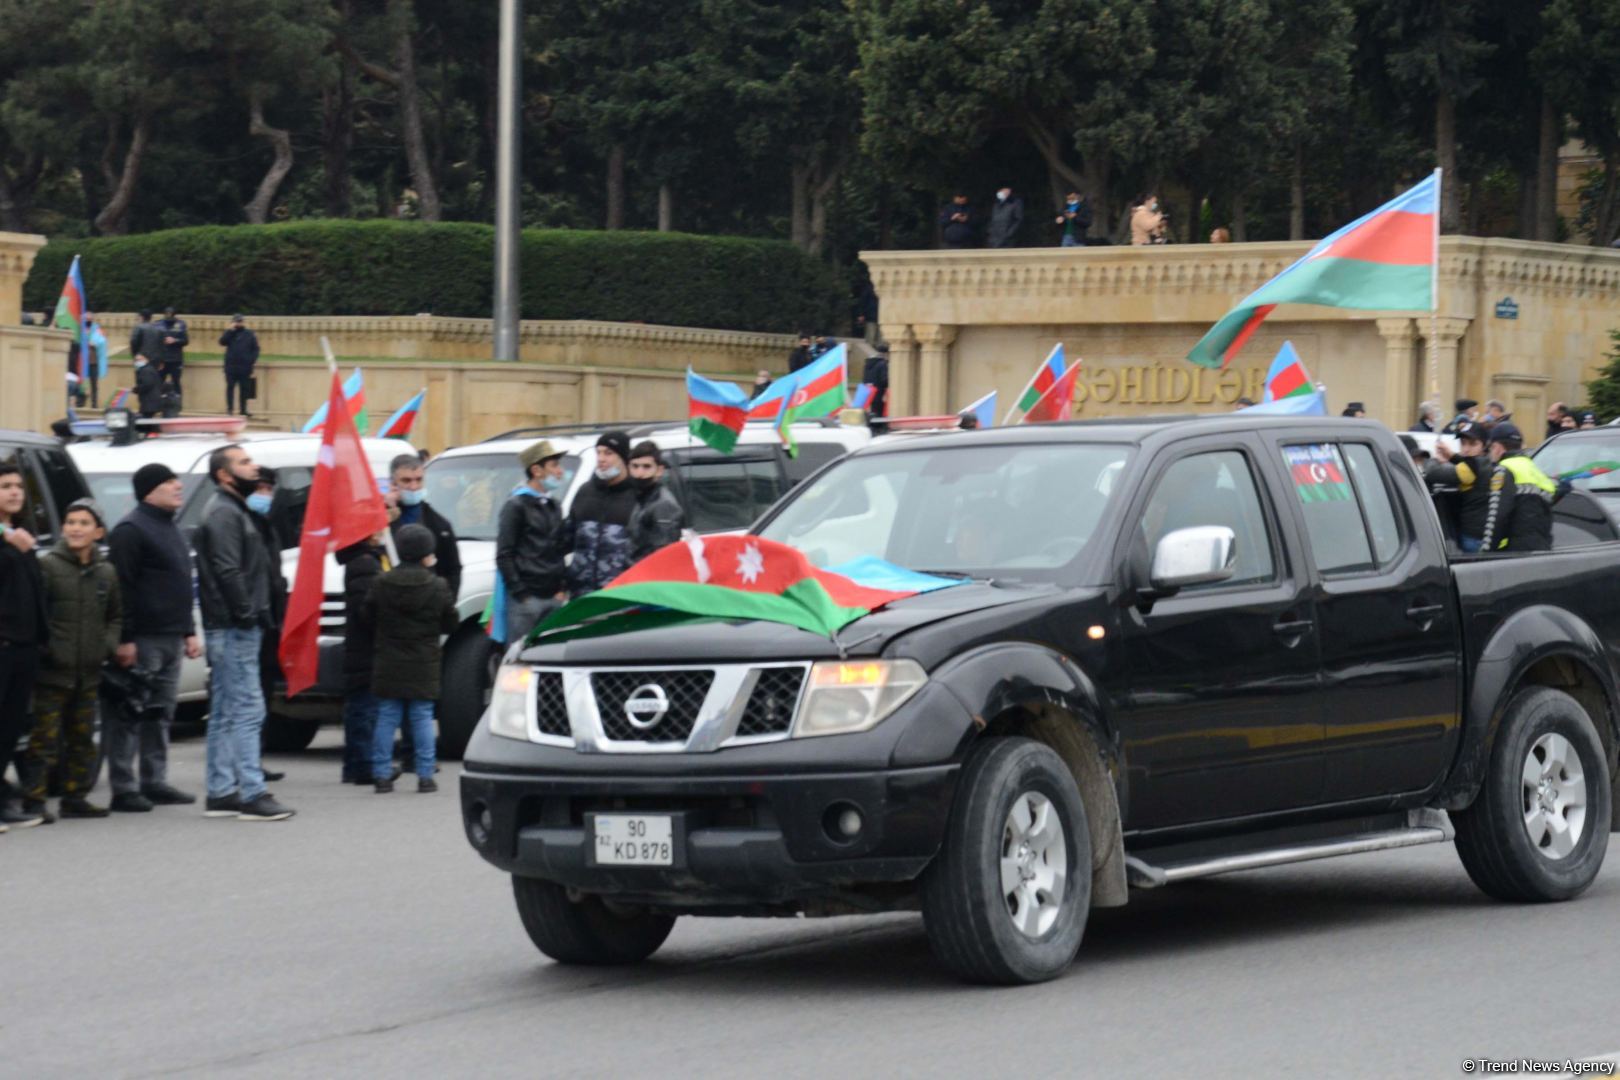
x,y
331,360
1434,294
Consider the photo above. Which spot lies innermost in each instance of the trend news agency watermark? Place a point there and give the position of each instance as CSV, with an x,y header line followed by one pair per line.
x,y
1539,1067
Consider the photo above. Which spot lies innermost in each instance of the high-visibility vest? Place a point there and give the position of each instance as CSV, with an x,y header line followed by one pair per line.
x,y
1525,473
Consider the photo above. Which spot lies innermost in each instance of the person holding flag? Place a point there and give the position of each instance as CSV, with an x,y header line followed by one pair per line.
x,y
1045,377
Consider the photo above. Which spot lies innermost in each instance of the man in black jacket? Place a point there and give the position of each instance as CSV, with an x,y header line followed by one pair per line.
x,y
529,545
956,226
1006,219
236,586
598,526
875,371
658,519
406,494
175,337
148,389
241,353
154,576
23,632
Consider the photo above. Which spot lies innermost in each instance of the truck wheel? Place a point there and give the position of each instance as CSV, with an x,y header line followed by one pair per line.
x,y
1538,829
586,931
1006,899
283,736
465,692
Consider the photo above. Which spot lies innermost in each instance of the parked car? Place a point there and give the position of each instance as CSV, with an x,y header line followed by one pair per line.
x,y
50,479
1178,648
720,492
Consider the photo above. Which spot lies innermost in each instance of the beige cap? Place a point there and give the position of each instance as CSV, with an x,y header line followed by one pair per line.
x,y
534,455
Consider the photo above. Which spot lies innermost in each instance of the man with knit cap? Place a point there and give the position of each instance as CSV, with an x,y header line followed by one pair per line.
x,y
529,543
154,579
598,528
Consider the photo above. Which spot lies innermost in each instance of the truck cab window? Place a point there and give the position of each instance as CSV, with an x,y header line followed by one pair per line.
x,y
1214,489
1349,517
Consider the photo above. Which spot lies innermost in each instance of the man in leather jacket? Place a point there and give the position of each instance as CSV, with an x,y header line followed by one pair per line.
x,y
530,541
658,519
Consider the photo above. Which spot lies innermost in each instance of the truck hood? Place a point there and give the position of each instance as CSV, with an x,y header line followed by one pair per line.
x,y
727,640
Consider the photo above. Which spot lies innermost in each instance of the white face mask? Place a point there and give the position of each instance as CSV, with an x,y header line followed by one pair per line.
x,y
1001,196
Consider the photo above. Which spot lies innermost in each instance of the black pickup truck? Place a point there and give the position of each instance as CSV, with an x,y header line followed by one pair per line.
x,y
1179,648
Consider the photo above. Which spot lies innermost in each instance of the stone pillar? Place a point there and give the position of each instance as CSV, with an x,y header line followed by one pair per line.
x,y
1442,338
902,369
933,368
17,251
1400,374
590,398
32,359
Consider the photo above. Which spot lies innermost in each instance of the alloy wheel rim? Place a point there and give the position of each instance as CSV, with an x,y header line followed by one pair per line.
x,y
1554,796
1034,864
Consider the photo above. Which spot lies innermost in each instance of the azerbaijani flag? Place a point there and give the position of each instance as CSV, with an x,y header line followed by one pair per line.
x,y
984,409
354,393
1050,371
1315,471
399,425
1383,261
1287,376
768,405
716,411
747,577
863,396
70,309
818,389
119,399
1058,401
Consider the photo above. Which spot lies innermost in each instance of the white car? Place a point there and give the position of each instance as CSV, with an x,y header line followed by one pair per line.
x,y
720,492
109,470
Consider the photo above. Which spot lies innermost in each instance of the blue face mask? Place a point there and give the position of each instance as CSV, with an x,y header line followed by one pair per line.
x,y
259,502
411,498
552,483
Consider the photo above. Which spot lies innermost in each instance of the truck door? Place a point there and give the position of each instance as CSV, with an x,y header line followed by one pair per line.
x,y
1388,634
1219,714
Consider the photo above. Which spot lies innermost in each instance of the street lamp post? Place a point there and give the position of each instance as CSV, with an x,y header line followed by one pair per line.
x,y
508,142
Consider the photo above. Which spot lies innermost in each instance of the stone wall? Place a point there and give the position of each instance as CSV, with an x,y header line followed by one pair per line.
x,y
32,364
962,322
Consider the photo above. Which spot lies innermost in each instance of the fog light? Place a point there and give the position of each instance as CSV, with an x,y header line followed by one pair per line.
x,y
842,822
849,822
480,824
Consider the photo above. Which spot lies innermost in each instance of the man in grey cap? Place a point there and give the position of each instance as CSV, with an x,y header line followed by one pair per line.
x,y
241,353
530,543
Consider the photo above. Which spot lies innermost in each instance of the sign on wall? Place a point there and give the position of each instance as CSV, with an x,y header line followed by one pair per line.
x,y
1507,308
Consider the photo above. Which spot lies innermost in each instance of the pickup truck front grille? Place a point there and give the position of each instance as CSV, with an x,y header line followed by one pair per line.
x,y
682,693
771,706
551,705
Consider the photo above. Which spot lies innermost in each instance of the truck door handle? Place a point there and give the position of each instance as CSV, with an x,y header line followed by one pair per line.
x,y
1292,628
1425,614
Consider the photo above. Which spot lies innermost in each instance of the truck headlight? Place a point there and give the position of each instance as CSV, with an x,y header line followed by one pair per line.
x,y
847,696
510,701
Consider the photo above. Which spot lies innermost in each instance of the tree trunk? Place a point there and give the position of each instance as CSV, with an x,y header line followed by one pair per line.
x,y
1296,195
258,208
1547,171
1527,204
410,122
1445,156
1603,219
1240,219
666,208
337,140
885,216
16,200
820,195
1046,141
799,219
615,186
114,217
1098,167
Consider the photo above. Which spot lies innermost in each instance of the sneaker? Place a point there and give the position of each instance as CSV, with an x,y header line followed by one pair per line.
x,y
39,810
223,806
264,808
383,787
19,819
131,802
164,795
74,807
426,787
271,776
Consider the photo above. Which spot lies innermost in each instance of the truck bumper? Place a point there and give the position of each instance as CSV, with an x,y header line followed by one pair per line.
x,y
744,841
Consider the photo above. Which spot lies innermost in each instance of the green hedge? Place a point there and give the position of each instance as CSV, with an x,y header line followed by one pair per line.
x,y
402,267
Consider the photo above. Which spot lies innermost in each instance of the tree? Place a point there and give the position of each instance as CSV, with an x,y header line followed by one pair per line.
x,y
1603,392
1578,58
398,32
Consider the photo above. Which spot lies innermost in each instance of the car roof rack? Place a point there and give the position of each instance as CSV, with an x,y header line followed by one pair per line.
x,y
157,425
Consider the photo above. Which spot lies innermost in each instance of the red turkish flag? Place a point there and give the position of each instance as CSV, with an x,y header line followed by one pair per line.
x,y
1058,402
344,508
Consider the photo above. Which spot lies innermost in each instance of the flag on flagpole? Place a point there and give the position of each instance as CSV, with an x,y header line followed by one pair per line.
x,y
399,425
354,394
1058,402
97,341
1311,403
715,411
768,405
118,399
1383,261
1050,371
71,306
984,410
818,389
1287,377
344,508
863,396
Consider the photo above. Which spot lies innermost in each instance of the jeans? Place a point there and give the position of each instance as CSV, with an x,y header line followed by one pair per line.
x,y
1071,241
1470,544
159,657
236,714
19,667
359,729
418,712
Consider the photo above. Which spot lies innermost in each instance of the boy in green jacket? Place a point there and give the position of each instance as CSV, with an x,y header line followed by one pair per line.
x,y
86,618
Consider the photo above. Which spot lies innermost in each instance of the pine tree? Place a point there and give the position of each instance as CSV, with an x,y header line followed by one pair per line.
x,y
1603,392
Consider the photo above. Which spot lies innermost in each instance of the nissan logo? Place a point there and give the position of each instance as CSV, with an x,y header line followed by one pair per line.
x,y
645,706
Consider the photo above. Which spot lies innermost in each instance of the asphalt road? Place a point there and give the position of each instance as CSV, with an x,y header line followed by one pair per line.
x,y
364,936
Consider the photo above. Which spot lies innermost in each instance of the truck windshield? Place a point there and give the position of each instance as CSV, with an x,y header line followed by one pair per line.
x,y
1586,461
469,491
1010,512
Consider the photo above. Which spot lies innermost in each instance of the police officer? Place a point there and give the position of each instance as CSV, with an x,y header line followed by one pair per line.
x,y
1470,473
1524,520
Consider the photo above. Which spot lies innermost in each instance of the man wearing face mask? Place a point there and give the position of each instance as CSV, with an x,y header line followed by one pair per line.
x,y
1074,219
1006,219
407,492
529,546
235,585
598,527
261,502
658,519
1147,221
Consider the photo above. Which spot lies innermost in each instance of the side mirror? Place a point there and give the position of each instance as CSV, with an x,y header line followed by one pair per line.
x,y
1196,556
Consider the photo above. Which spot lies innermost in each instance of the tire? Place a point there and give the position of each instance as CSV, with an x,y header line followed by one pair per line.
x,y
973,923
1554,849
464,695
586,931
283,736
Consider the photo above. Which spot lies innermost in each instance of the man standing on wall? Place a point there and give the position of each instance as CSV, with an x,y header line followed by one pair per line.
x,y
175,339
241,353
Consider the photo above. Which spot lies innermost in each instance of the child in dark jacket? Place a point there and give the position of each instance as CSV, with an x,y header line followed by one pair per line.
x,y
410,608
363,564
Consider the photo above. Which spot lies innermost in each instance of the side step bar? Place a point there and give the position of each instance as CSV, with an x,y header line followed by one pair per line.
x,y
1422,827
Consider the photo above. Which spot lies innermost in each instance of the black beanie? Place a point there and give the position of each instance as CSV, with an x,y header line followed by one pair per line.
x,y
414,543
616,441
148,478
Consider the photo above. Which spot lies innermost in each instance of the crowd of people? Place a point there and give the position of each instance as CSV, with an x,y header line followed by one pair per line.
x,y
1002,225
157,348
88,638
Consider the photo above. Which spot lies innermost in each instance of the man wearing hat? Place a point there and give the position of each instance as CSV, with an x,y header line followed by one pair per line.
x,y
1521,512
1472,474
1464,411
241,353
154,578
598,527
529,543
658,518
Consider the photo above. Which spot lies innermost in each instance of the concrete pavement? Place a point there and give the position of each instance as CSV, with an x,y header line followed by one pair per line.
x,y
364,936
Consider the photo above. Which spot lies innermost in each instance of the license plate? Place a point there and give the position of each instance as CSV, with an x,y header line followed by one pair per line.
x,y
634,839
